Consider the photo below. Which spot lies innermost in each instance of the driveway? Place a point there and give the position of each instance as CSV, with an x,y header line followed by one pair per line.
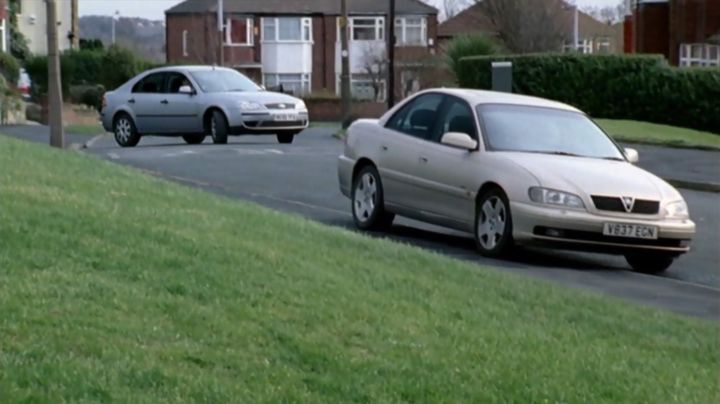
x,y
301,179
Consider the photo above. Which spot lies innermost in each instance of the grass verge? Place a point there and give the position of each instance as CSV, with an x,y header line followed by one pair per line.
x,y
663,135
117,286
89,129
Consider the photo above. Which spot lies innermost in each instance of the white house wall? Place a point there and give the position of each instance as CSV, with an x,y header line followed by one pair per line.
x,y
32,23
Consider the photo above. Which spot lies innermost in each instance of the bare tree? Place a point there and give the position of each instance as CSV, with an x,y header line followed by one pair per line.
x,y
526,26
450,8
610,14
375,67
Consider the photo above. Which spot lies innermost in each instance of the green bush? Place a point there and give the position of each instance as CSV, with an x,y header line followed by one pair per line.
x,y
90,95
37,69
469,45
9,68
638,87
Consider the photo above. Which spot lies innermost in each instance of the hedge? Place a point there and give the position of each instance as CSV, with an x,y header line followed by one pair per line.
x,y
9,68
637,87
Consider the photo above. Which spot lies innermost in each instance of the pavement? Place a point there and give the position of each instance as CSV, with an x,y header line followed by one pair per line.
x,y
301,179
684,168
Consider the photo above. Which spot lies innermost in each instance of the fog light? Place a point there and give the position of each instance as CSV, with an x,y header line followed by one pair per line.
x,y
554,232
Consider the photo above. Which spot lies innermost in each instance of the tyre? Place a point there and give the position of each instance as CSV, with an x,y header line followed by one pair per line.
x,y
285,138
126,134
368,204
493,224
219,128
649,263
194,139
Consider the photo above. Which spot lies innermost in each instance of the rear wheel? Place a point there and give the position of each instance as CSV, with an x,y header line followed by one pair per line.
x,y
194,139
218,126
126,134
368,204
285,138
649,263
493,224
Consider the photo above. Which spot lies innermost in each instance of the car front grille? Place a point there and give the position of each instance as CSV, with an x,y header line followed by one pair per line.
x,y
615,204
280,105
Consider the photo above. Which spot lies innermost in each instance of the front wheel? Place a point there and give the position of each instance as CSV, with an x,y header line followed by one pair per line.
x,y
219,128
493,224
194,139
285,138
649,263
126,134
368,204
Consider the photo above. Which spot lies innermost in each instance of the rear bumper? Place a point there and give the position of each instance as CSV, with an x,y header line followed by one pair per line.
x,y
581,230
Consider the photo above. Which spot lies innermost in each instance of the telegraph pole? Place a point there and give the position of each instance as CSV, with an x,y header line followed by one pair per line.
x,y
345,68
391,56
221,23
57,136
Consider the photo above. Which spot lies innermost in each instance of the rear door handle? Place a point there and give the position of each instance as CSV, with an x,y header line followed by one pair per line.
x,y
384,148
131,101
164,102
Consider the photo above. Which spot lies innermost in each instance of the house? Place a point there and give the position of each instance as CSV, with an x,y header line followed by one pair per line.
x,y
296,43
32,23
687,32
594,36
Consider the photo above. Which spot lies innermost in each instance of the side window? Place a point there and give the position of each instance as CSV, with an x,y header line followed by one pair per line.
x,y
456,116
175,81
419,117
150,84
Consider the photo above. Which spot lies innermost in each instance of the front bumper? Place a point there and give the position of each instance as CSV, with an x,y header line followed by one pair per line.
x,y
271,121
581,230
345,173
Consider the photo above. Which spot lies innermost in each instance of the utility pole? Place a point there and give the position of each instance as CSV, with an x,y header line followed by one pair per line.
x,y
391,56
576,28
115,17
221,22
345,65
57,136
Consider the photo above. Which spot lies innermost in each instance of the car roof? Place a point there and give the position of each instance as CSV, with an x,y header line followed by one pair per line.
x,y
477,97
187,68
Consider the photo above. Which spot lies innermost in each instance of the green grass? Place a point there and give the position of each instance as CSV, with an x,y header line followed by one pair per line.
x,y
91,129
650,133
117,286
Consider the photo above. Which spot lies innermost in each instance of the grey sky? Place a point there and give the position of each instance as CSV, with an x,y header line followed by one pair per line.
x,y
155,9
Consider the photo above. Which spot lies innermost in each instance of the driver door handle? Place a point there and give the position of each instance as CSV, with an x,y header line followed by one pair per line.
x,y
423,160
164,102
384,148
131,101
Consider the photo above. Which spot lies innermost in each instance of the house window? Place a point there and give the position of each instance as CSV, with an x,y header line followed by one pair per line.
x,y
297,84
365,87
367,29
287,29
185,43
239,31
603,45
699,54
411,31
584,46
410,82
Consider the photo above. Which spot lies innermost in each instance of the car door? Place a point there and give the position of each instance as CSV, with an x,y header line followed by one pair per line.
x,y
405,135
448,173
181,110
145,101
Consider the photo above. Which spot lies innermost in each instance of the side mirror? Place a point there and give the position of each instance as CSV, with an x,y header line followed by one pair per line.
x,y
459,140
186,90
632,155
263,87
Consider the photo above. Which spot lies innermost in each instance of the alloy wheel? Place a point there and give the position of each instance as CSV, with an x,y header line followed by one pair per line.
x,y
491,222
365,197
123,130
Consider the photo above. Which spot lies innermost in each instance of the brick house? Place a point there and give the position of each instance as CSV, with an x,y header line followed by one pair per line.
x,y
687,32
296,43
594,36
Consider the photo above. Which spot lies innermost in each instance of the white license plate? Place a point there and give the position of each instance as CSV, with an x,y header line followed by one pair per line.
x,y
286,118
630,231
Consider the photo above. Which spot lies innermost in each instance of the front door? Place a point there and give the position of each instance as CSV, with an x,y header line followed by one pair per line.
x,y
182,110
146,102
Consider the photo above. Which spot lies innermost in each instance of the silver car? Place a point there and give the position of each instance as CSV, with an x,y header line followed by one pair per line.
x,y
511,170
194,101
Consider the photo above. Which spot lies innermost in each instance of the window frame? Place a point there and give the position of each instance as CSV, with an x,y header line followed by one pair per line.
x,y
161,89
378,25
249,28
306,30
404,111
169,74
687,59
401,23
444,107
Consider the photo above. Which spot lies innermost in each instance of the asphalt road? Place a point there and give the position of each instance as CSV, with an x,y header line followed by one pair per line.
x,y
301,179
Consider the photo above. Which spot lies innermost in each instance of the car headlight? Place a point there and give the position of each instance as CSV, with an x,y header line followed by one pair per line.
x,y
301,105
250,106
677,210
557,198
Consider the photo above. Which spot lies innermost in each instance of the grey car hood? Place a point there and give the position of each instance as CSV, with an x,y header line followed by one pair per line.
x,y
588,176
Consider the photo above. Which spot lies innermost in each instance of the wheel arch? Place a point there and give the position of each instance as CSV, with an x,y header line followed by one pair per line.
x,y
360,164
123,111
486,187
208,114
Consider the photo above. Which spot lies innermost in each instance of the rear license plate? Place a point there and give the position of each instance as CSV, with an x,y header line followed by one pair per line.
x,y
286,118
630,231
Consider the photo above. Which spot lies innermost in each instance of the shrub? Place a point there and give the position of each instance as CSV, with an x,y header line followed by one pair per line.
x,y
611,86
469,45
90,95
9,68
37,69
